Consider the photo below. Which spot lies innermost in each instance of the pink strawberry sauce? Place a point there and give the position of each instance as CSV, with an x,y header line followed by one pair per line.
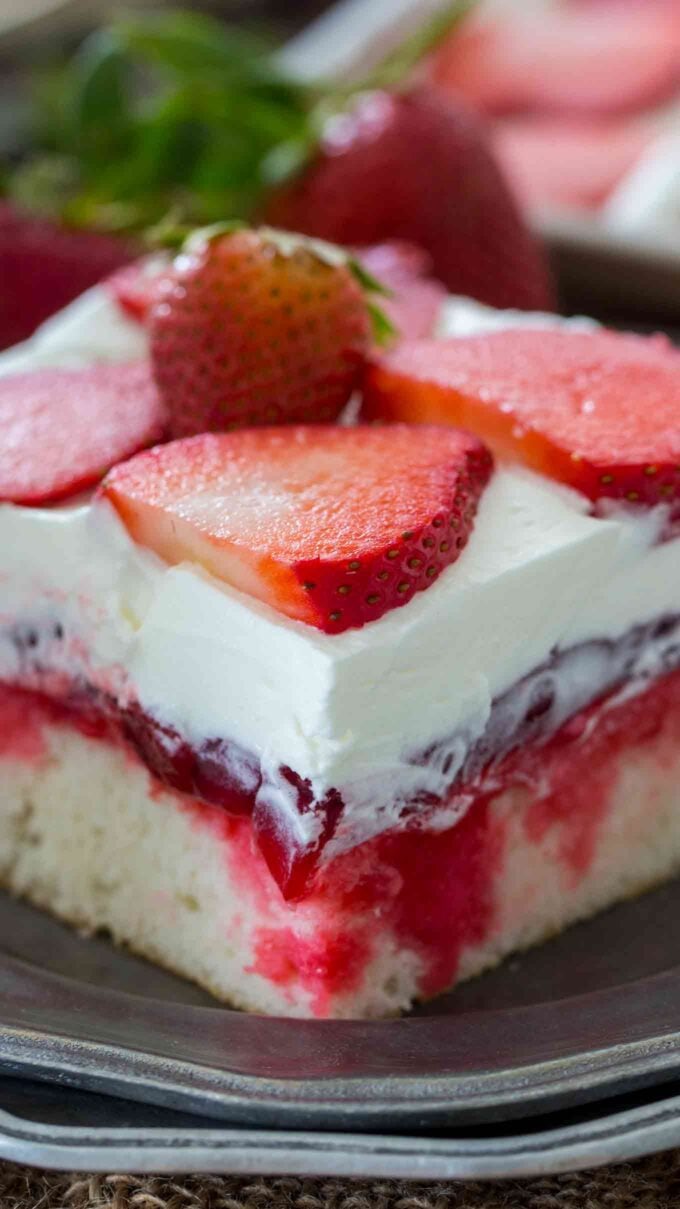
x,y
434,892
21,721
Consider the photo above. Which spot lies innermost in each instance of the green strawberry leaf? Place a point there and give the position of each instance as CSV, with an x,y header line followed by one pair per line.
x,y
175,113
44,184
97,108
366,280
286,159
383,328
191,45
163,113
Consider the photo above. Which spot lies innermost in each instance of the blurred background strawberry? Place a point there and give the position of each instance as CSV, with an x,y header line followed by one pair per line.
x,y
470,131
165,120
576,90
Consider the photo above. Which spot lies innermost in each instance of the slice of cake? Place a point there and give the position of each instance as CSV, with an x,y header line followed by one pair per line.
x,y
327,718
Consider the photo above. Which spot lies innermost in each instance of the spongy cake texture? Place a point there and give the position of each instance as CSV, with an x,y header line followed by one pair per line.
x,y
86,833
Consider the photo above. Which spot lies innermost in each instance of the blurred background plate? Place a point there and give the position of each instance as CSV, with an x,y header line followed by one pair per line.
x,y
611,276
53,1127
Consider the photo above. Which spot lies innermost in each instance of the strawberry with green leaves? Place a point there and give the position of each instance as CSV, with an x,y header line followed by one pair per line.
x,y
259,327
414,165
168,120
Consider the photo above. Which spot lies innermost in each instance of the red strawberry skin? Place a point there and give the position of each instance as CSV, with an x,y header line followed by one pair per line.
x,y
243,333
599,411
415,166
330,526
62,429
44,266
412,305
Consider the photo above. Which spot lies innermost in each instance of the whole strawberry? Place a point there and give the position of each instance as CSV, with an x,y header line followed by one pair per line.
x,y
416,166
258,327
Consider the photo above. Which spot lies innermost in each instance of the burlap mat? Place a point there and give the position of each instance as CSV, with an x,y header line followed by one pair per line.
x,y
652,1183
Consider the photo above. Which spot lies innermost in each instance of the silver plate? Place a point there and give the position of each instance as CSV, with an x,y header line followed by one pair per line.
x,y
593,1015
45,1127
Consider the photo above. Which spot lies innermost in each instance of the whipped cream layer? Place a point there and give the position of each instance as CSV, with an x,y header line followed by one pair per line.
x,y
81,603
91,330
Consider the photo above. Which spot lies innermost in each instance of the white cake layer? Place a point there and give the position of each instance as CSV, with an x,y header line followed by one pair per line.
x,y
84,834
348,710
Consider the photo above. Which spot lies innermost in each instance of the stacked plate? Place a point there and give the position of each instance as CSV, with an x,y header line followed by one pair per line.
x,y
563,1058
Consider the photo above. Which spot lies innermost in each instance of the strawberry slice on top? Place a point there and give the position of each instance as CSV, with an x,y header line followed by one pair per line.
x,y
62,429
330,526
597,410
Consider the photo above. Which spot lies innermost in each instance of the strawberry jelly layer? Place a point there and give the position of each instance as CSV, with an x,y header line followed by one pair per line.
x,y
223,774
433,894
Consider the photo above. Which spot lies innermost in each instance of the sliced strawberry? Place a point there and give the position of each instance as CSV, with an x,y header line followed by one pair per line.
x,y
597,410
560,163
331,526
62,429
396,262
136,286
565,59
416,296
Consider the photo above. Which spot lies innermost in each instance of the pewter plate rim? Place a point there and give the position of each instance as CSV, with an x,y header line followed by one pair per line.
x,y
608,1138
359,1075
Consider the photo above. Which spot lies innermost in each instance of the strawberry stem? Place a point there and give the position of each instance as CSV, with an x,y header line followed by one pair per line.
x,y
383,328
365,279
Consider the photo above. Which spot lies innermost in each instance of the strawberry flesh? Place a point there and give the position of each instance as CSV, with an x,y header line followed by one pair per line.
x,y
331,526
567,59
564,163
597,410
136,286
64,428
415,297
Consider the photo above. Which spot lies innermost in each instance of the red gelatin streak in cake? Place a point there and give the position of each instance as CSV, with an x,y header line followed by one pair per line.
x,y
24,714
433,891
21,720
331,962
